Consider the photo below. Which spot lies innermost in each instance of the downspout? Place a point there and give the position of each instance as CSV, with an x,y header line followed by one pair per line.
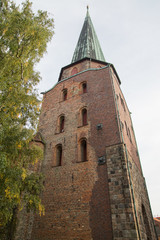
x,y
132,192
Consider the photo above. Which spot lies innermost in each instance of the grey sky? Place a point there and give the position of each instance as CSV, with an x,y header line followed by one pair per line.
x,y
129,34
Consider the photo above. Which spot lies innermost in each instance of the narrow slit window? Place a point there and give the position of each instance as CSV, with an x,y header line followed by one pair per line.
x,y
84,117
84,87
83,150
61,124
64,94
59,155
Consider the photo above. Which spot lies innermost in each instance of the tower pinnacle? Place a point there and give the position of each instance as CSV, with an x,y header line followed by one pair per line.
x,y
88,44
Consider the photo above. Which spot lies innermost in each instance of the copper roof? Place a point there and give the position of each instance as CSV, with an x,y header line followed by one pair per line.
x,y
88,44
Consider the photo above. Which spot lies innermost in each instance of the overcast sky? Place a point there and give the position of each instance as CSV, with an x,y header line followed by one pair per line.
x,y
129,34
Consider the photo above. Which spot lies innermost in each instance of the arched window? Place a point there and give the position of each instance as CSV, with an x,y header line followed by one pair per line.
x,y
99,66
146,223
64,94
61,124
83,149
74,71
84,117
59,155
84,87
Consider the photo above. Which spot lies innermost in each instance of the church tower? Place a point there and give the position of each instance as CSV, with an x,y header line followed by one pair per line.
x,y
94,185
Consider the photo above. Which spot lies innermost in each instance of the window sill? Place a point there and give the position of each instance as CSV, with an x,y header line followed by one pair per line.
x,y
83,125
56,166
82,161
81,94
58,133
63,100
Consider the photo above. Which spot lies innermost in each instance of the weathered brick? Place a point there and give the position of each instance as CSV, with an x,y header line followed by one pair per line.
x,y
85,200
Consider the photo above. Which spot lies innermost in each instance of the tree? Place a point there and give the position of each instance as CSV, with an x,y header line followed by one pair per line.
x,y
23,40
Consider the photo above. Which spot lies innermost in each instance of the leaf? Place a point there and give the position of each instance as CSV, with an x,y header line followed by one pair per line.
x,y
23,39
24,174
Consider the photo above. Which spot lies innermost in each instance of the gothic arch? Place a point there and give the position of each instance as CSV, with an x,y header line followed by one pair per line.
x,y
74,71
83,87
82,116
64,94
58,156
61,123
83,150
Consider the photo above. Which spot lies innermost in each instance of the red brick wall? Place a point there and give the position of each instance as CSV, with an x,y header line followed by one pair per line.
x,y
126,123
76,195
79,67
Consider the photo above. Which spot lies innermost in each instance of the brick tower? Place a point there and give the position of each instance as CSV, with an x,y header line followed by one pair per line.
x,y
94,186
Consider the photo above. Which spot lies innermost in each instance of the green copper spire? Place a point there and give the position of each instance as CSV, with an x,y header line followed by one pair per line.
x,y
88,44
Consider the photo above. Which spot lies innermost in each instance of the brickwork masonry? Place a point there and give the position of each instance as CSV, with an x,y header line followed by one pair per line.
x,y
85,200
127,196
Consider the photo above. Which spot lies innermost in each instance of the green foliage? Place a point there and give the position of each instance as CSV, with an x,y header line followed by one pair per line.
x,y
23,40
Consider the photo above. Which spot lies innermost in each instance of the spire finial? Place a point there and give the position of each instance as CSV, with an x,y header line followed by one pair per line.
x,y
87,7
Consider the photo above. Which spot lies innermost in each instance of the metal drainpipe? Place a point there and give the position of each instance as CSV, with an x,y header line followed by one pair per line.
x,y
126,156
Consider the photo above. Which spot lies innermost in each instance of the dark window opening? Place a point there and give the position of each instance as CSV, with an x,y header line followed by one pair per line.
x,y
84,117
84,87
64,94
61,124
59,155
83,150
